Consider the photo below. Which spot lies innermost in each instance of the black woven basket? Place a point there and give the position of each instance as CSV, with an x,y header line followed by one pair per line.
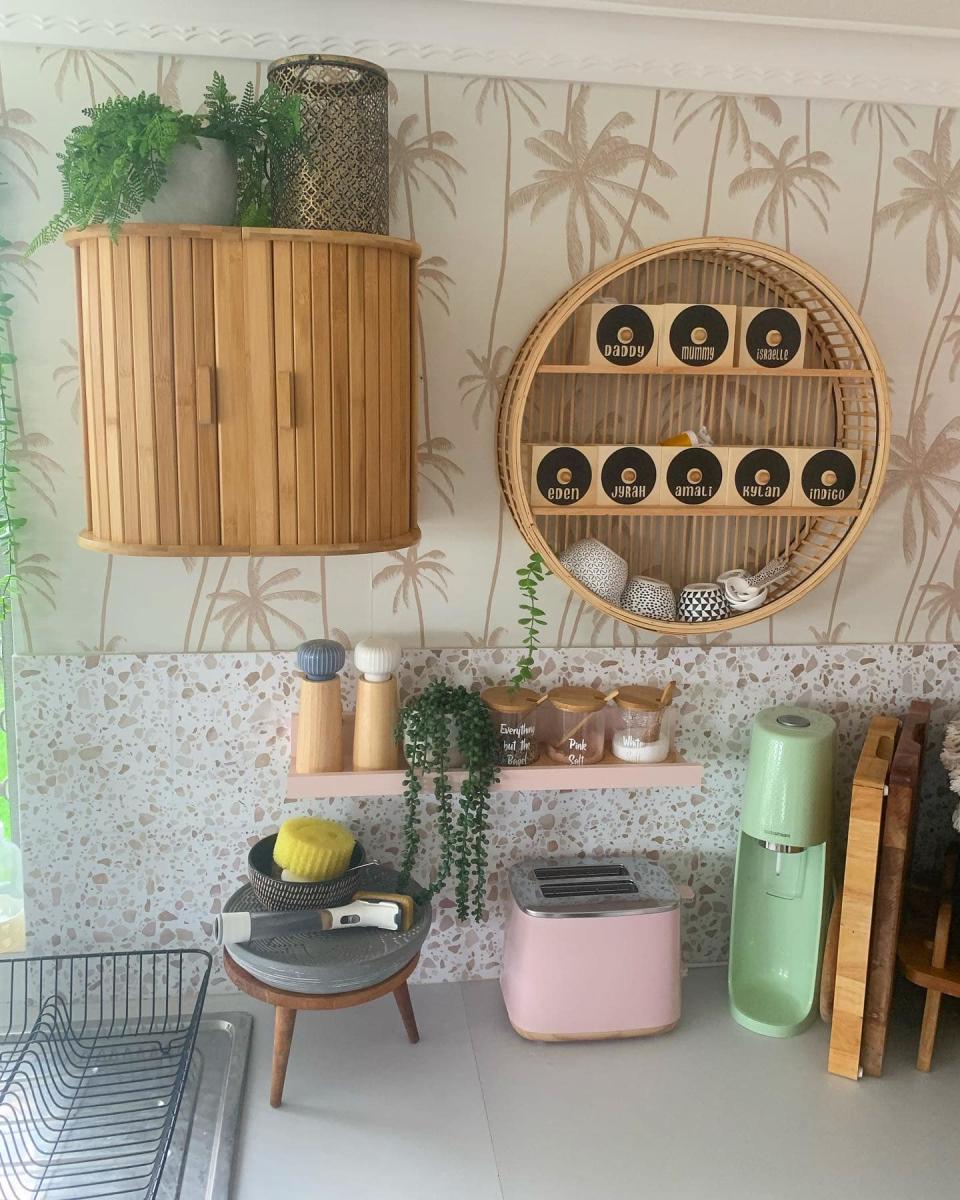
x,y
280,896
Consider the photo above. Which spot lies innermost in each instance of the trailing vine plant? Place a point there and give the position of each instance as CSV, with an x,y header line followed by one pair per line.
x,y
10,524
533,618
426,728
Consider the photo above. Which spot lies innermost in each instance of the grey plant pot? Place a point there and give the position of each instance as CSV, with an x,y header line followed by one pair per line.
x,y
201,187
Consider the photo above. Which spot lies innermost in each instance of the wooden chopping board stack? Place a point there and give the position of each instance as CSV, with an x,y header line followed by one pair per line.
x,y
861,950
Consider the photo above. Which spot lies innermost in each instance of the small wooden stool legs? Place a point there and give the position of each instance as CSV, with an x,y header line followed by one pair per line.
x,y
287,1004
284,1020
402,997
926,963
928,1029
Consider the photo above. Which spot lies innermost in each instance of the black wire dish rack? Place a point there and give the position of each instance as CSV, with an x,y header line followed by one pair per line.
x,y
93,1066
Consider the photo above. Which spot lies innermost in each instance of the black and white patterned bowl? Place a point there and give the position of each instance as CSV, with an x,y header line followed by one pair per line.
x,y
281,895
702,602
597,567
649,597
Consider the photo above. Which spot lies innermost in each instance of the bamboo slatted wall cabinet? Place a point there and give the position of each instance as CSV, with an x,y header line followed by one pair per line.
x,y
247,391
838,399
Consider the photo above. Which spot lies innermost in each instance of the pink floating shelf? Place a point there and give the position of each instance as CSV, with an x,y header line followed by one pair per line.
x,y
542,776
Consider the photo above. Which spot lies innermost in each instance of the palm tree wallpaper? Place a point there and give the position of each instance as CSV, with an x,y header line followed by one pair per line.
x,y
514,188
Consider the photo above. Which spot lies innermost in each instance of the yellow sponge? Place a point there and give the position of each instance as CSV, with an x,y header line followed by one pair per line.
x,y
313,849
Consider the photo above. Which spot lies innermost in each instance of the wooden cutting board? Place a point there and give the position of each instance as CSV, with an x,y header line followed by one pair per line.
x,y
828,973
859,886
896,849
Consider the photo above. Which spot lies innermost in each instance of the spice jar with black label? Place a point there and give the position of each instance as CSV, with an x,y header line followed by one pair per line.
x,y
772,337
563,476
827,478
760,477
698,335
623,335
693,476
629,476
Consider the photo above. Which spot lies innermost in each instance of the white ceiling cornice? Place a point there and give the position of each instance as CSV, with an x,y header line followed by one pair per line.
x,y
732,47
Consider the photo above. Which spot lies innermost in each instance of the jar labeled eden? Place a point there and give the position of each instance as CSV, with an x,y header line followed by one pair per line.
x,y
578,726
513,715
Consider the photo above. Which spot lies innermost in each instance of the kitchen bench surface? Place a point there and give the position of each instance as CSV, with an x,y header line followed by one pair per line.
x,y
474,1112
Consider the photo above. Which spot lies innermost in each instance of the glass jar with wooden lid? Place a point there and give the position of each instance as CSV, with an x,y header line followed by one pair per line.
x,y
644,724
513,715
578,725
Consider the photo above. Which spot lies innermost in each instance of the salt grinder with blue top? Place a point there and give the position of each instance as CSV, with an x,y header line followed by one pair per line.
x,y
320,728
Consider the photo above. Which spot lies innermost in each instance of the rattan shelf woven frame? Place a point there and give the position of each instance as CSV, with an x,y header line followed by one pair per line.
x,y
839,398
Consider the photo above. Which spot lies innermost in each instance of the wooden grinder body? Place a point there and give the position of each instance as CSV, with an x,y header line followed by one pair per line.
x,y
374,744
320,731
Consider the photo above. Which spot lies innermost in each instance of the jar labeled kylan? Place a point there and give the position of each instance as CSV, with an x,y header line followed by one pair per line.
x,y
513,714
578,727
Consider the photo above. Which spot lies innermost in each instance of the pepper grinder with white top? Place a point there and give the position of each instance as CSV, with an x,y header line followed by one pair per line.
x,y
378,704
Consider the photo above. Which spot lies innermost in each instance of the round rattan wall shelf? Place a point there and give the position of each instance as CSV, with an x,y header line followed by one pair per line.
x,y
837,398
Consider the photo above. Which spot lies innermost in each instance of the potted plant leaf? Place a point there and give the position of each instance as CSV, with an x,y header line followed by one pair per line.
x,y
256,128
138,158
426,728
114,168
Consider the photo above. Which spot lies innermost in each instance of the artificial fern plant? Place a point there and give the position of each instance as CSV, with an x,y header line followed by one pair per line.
x,y
424,730
114,165
117,163
256,128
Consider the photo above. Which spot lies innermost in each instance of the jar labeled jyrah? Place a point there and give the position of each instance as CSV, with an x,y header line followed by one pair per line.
x,y
644,725
578,726
513,714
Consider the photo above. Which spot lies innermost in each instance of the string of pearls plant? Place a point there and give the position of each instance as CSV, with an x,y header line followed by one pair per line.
x,y
427,727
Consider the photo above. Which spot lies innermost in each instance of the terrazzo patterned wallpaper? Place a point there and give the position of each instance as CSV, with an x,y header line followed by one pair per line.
x,y
144,779
515,189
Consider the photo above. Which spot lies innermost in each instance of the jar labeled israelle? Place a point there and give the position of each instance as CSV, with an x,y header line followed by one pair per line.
x,y
578,726
513,715
644,725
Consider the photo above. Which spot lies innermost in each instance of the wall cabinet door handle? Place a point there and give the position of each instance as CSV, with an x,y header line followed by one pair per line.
x,y
206,396
286,416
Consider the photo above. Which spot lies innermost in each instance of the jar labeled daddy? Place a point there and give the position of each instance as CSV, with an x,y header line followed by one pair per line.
x,y
513,714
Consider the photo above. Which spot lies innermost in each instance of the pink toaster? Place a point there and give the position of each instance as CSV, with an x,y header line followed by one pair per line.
x,y
591,949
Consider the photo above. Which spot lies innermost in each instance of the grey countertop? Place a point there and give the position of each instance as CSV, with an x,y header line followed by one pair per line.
x,y
473,1111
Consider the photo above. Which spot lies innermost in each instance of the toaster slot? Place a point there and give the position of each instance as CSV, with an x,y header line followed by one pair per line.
x,y
604,870
599,887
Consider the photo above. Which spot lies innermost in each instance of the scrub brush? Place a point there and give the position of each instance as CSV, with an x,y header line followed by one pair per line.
x,y
310,850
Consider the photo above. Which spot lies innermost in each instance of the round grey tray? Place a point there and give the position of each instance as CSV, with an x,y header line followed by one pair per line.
x,y
338,961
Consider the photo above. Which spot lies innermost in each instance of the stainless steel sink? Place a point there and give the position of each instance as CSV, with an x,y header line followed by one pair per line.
x,y
200,1163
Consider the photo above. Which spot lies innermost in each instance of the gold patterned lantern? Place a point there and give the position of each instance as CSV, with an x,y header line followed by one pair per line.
x,y
339,179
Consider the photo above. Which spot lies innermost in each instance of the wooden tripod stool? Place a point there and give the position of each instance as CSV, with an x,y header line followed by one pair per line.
x,y
288,1004
926,962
